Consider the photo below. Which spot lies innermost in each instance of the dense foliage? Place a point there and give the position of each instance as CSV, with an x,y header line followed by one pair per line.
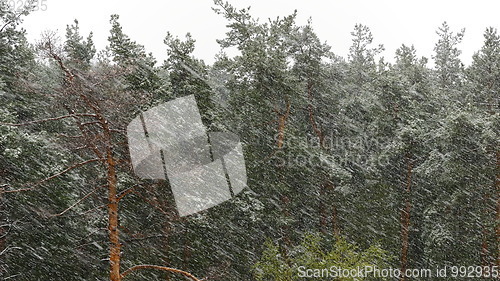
x,y
390,164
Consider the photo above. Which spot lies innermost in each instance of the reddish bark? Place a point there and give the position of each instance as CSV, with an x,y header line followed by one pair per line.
x,y
282,118
113,199
105,153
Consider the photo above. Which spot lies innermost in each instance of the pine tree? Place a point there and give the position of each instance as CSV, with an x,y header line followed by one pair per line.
x,y
80,51
449,68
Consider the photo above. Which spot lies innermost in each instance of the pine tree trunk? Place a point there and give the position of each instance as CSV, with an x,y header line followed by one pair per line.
x,y
324,211
282,118
114,251
405,219
113,223
334,212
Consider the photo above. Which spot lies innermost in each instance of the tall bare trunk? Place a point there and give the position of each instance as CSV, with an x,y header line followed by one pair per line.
x,y
405,218
282,118
113,223
115,246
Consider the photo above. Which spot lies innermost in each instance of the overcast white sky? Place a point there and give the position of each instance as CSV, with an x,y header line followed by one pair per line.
x,y
393,22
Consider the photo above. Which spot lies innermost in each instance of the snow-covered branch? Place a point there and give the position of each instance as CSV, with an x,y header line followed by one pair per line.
x,y
169,269
48,119
32,186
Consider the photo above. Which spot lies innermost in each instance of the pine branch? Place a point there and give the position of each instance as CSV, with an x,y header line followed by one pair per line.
x,y
77,202
32,186
146,266
48,119
150,202
93,209
70,137
9,248
125,192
